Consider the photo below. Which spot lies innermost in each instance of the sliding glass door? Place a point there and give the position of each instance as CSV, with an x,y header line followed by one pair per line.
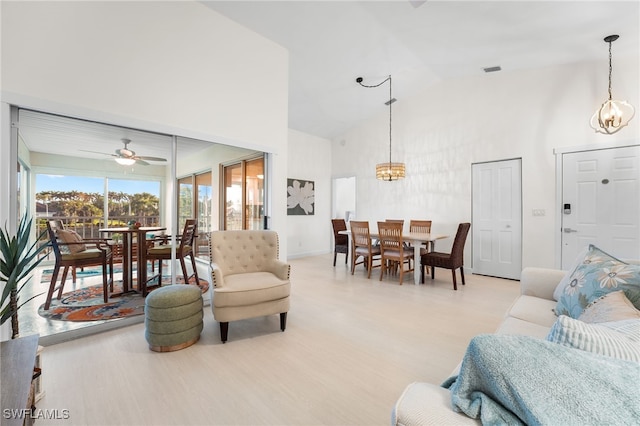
x,y
195,194
243,199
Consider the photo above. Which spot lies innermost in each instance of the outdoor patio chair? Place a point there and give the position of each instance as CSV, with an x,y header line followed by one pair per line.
x,y
72,251
162,251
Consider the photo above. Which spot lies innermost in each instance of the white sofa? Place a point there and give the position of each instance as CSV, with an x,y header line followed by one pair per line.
x,y
531,314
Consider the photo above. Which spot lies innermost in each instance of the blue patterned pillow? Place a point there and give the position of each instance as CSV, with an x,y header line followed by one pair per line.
x,y
598,274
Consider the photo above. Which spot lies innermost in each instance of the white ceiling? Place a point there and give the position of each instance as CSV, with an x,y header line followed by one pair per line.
x,y
421,43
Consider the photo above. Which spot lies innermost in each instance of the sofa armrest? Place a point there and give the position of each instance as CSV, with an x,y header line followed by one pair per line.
x,y
280,269
540,282
217,277
427,404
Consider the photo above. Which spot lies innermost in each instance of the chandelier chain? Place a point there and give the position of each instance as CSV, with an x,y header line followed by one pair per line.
x,y
610,70
390,103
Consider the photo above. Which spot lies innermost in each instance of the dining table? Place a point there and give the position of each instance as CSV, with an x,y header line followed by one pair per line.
x,y
417,239
128,234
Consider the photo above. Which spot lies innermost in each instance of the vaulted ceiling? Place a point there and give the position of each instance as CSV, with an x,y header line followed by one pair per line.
x,y
421,43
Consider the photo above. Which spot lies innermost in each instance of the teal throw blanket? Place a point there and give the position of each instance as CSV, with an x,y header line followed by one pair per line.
x,y
514,380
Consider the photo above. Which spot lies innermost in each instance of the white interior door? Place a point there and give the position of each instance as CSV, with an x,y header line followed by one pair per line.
x,y
497,218
601,202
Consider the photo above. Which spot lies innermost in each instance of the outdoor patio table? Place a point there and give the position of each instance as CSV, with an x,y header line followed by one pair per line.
x,y
127,255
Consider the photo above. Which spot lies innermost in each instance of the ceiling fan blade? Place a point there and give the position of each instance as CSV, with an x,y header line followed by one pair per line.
x,y
96,152
141,162
144,157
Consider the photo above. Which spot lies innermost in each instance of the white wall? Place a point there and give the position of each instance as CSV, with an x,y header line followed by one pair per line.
x,y
310,159
439,133
173,67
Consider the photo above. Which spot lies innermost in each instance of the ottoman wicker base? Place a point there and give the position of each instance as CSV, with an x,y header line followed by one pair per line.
x,y
173,317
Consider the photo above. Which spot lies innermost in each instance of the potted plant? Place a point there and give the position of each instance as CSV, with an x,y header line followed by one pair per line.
x,y
19,259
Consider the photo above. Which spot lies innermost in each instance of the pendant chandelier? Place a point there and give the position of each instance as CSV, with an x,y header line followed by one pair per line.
x,y
612,115
388,170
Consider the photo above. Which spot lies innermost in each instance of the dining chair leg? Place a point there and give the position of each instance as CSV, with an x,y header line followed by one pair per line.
x,y
195,269
455,284
433,272
111,274
335,255
462,275
52,287
65,272
184,271
105,282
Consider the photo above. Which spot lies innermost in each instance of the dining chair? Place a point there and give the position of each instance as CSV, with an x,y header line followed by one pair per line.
x,y
394,254
72,251
361,246
421,227
452,260
162,251
341,241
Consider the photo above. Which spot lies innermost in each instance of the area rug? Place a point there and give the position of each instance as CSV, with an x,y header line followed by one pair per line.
x,y
87,304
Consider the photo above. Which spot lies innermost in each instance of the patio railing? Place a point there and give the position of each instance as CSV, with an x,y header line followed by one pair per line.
x,y
88,228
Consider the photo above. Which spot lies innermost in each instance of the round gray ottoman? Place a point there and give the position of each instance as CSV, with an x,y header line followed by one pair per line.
x,y
173,317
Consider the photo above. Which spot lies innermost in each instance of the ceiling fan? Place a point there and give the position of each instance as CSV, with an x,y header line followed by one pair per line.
x,y
127,157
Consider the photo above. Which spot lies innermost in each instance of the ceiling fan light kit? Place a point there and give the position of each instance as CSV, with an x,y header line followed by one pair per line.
x,y
612,115
388,171
125,161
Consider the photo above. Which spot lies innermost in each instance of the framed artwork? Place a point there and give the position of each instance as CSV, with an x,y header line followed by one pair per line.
x,y
300,197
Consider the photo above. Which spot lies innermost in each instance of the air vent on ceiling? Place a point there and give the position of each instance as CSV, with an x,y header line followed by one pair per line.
x,y
492,69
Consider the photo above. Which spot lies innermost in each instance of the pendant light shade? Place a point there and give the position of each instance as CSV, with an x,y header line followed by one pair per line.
x,y
612,115
389,170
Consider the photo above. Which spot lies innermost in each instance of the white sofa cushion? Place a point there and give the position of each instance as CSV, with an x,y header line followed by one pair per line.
x,y
250,289
534,309
517,326
427,404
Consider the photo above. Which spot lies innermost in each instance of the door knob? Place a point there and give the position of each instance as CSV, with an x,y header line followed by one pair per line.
x,y
569,230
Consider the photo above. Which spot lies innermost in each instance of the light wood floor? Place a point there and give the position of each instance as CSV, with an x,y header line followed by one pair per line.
x,y
350,348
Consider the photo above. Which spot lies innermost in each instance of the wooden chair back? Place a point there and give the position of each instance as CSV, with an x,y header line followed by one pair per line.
x,y
339,225
360,234
390,236
53,226
420,226
189,234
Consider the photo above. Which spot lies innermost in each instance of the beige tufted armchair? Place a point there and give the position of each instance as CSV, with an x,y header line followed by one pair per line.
x,y
249,281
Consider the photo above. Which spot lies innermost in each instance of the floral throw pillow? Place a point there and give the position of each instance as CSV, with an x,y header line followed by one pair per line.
x,y
598,274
